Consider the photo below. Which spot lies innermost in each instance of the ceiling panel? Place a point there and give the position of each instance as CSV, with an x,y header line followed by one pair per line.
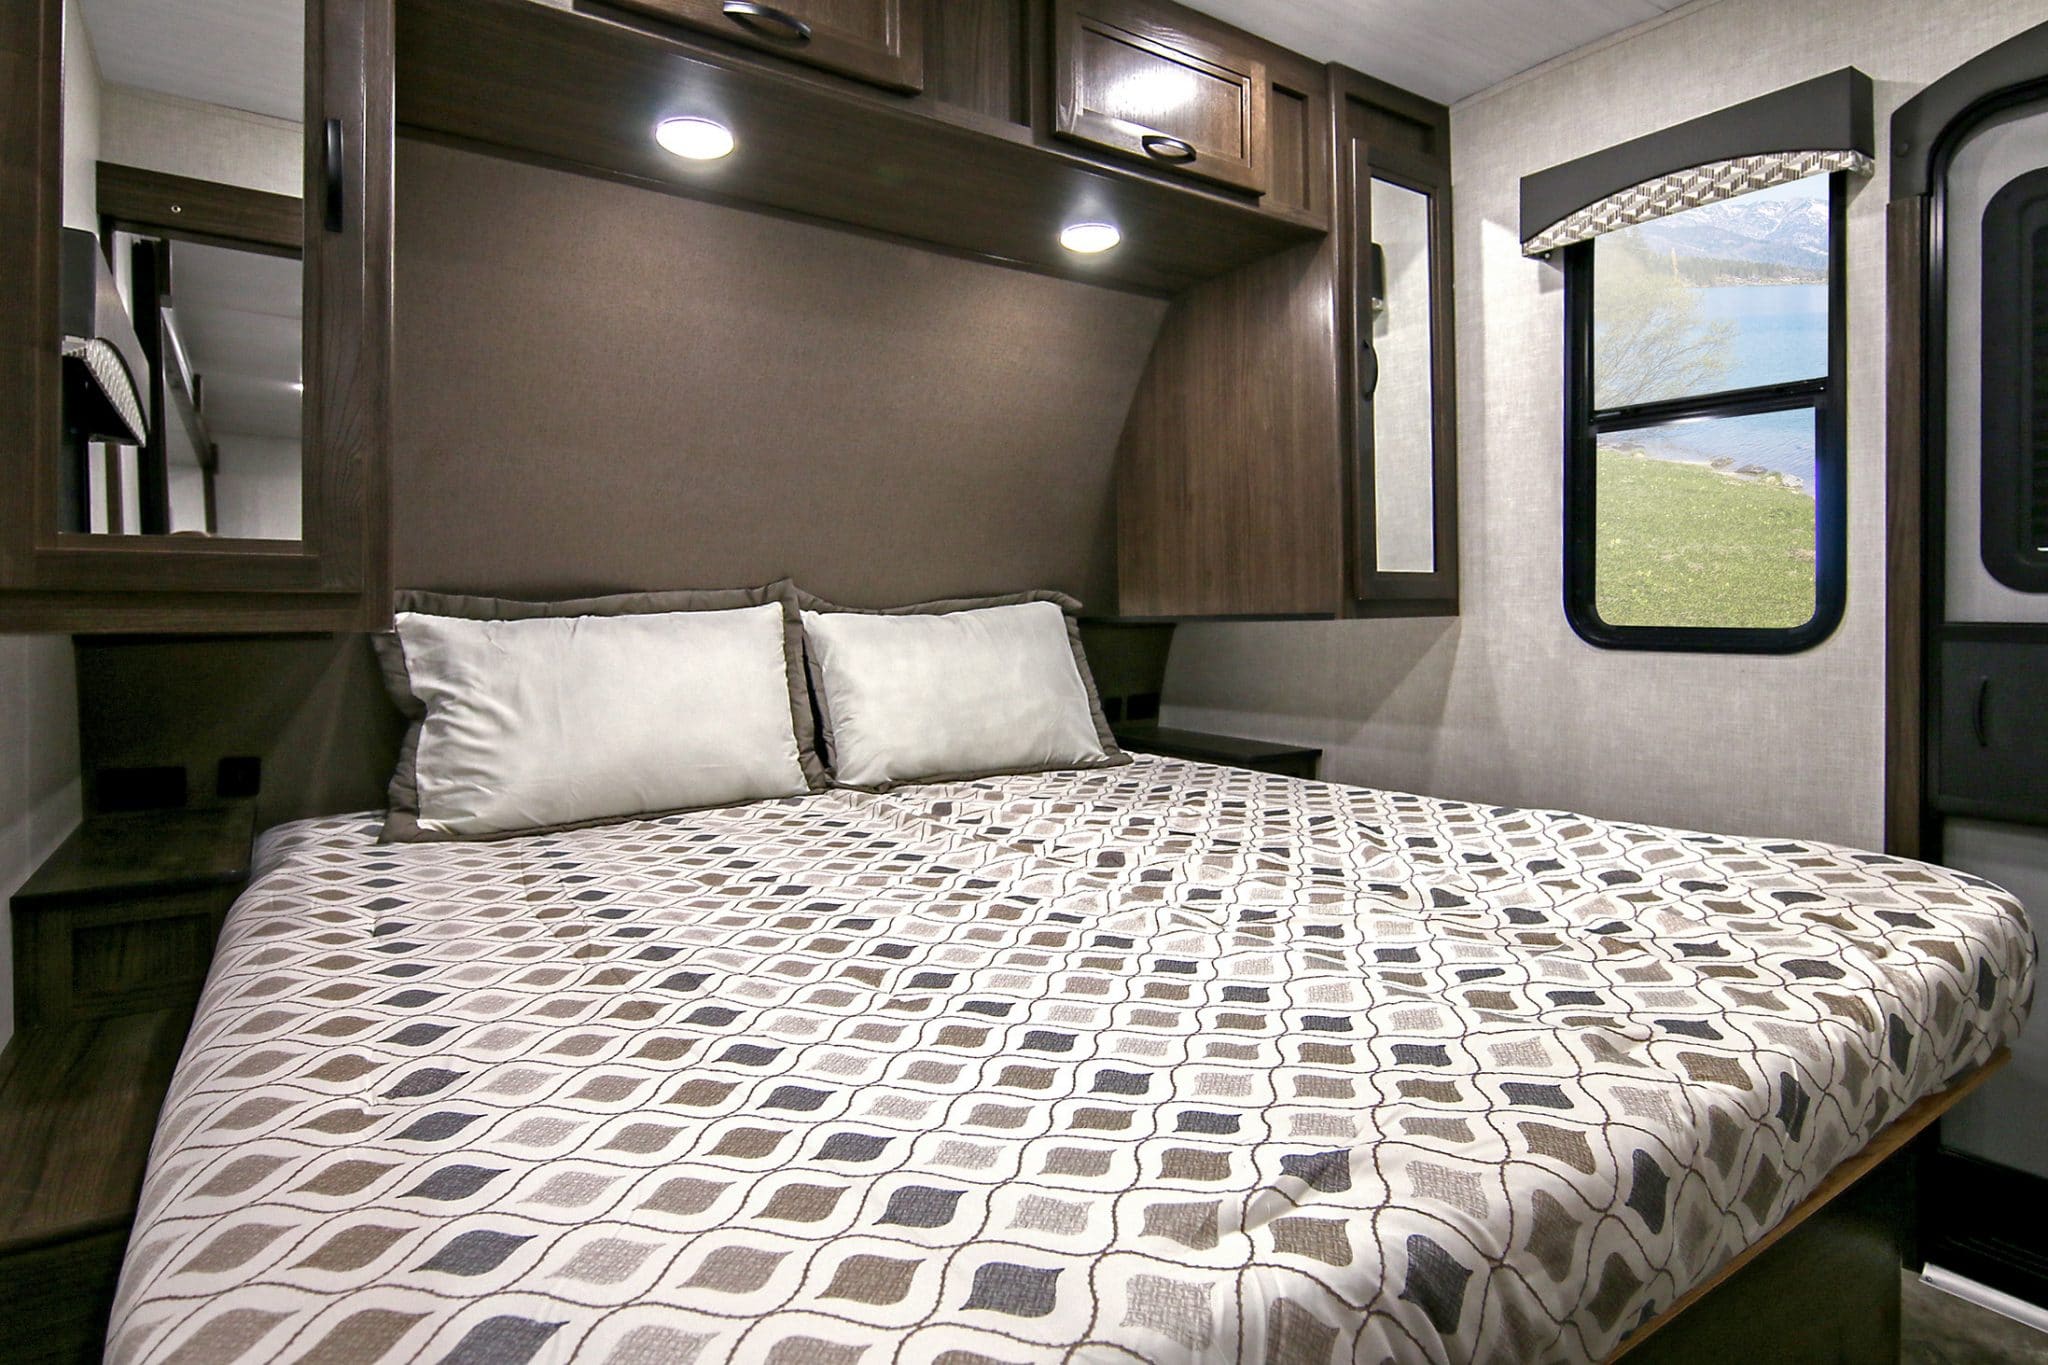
x,y
244,54
1445,49
239,316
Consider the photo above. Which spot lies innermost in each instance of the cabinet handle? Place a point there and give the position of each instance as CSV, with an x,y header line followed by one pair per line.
x,y
1163,148
1368,371
331,166
766,21
1980,716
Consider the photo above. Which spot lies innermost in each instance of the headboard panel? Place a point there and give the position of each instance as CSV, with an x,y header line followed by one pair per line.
x,y
600,386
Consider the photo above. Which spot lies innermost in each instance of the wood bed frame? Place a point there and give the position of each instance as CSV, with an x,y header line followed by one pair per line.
x,y
1823,1283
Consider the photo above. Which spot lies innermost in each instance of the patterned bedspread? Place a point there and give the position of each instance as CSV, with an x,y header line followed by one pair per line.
x,y
1157,1063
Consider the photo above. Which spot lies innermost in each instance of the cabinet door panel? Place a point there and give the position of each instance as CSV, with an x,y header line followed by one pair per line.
x,y
877,41
1401,429
1992,752
1139,87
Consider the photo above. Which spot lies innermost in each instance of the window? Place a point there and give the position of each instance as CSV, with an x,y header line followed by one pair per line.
x,y
1704,486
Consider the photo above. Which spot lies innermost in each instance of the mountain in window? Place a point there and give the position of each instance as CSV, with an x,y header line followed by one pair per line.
x,y
1755,239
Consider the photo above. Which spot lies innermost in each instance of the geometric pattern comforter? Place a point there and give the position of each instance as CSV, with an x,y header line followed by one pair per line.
x,y
1156,1063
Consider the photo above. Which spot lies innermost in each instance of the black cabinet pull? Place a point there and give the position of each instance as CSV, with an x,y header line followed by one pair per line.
x,y
1368,371
1981,714
1164,148
331,165
766,21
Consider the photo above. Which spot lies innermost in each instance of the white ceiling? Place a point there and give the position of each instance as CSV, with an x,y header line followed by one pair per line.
x,y
244,54
239,316
1445,49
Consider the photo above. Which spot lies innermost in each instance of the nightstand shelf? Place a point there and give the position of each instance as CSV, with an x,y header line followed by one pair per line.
x,y
112,939
1230,751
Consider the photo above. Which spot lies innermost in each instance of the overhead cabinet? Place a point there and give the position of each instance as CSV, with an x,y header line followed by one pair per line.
x,y
877,41
1154,83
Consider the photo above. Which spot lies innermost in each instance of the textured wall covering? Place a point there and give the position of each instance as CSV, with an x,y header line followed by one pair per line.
x,y
39,788
204,141
602,387
1506,704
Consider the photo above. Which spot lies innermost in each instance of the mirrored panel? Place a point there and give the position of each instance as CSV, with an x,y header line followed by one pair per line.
x,y
183,279
1404,399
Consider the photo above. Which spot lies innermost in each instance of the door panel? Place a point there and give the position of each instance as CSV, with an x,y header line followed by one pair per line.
x,y
1992,757
1132,84
877,41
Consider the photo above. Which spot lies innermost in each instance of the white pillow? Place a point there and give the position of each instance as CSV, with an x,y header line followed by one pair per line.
x,y
555,721
963,694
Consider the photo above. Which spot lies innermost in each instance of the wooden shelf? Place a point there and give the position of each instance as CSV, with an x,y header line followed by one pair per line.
x,y
582,93
1230,751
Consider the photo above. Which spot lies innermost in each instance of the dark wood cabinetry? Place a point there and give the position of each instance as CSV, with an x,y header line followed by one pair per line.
x,y
112,939
878,41
335,575
1155,83
1255,475
1291,447
122,917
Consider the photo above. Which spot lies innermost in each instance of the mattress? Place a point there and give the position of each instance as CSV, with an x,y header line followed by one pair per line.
x,y
1157,1063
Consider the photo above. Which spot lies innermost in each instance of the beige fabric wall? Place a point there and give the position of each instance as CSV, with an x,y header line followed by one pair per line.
x,y
1506,704
39,783
205,141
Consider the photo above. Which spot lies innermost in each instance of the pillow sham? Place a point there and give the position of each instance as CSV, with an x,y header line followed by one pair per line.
x,y
578,714
945,691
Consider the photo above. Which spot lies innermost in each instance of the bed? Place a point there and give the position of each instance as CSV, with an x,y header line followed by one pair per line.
x,y
1162,1062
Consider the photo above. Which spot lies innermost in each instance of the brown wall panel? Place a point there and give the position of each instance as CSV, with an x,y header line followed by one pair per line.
x,y
312,708
599,387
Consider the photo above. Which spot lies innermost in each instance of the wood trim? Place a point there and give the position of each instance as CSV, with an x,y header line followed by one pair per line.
x,y
1905,470
200,210
31,164
109,611
351,66
1879,1149
1386,133
895,63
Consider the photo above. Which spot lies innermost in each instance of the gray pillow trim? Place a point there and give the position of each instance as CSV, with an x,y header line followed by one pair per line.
x,y
401,820
1113,756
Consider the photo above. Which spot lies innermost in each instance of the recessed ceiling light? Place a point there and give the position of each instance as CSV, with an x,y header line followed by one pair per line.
x,y
694,139
1089,239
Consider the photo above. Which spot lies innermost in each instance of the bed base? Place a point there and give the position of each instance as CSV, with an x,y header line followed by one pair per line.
x,y
1824,1284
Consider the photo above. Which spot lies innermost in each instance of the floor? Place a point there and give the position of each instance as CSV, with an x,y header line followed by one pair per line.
x,y
1941,1329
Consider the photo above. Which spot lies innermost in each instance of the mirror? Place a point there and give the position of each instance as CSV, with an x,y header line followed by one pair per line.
x,y
184,162
1404,400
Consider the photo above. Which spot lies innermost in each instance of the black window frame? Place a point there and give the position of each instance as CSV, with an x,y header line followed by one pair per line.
x,y
1585,424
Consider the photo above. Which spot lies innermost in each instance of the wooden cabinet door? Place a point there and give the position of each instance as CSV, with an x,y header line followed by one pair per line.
x,y
332,573
877,41
1138,80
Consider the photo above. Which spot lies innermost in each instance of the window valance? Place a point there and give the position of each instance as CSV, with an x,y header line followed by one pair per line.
x,y
1814,128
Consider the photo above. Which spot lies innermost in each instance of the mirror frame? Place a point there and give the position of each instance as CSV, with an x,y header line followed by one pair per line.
x,y
337,576
1385,134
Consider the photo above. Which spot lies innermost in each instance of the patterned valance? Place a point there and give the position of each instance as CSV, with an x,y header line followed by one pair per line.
x,y
1689,189
1815,128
